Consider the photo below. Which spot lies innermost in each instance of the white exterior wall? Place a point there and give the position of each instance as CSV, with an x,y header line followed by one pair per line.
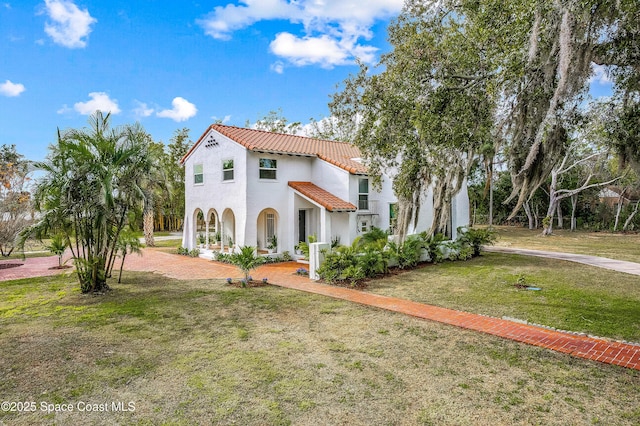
x,y
273,193
248,195
213,193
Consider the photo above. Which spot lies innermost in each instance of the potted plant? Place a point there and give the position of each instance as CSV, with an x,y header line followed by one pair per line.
x,y
217,238
201,239
230,244
273,244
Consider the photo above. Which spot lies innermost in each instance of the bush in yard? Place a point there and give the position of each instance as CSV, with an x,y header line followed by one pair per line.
x,y
476,238
246,260
432,245
57,245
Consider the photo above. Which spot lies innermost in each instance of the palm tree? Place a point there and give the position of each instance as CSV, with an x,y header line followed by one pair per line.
x,y
128,242
246,260
92,182
154,187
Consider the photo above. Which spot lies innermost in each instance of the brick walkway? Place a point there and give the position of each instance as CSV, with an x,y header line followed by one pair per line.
x,y
283,275
30,267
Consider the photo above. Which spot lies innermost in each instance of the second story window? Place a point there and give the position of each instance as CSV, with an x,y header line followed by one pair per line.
x,y
227,170
268,168
363,194
198,174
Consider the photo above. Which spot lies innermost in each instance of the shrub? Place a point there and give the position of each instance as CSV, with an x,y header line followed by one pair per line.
x,y
476,238
432,245
57,246
246,260
194,253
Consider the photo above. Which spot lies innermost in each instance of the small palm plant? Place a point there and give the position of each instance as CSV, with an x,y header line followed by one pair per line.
x,y
127,243
246,260
57,246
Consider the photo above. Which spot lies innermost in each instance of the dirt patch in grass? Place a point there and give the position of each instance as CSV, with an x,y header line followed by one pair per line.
x,y
202,352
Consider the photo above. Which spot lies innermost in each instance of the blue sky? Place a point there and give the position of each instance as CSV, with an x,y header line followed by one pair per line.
x,y
174,64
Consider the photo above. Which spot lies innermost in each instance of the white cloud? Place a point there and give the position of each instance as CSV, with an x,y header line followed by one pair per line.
x,y
333,27
600,74
225,120
99,101
277,67
182,110
69,26
11,89
142,110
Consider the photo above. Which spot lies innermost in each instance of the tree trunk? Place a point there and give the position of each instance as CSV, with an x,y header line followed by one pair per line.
x,y
618,210
147,221
574,205
547,223
122,265
527,210
630,218
491,193
536,218
560,218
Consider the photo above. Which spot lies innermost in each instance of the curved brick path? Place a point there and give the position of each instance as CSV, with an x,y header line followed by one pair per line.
x,y
283,275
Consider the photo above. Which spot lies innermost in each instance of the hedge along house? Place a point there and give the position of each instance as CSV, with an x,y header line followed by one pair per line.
x,y
245,186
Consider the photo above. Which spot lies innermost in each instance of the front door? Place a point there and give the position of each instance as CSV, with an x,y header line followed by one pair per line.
x,y
302,225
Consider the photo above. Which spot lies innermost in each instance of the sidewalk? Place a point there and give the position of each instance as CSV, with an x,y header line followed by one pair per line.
x,y
600,262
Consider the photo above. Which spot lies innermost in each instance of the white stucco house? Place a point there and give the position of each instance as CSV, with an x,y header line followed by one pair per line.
x,y
248,185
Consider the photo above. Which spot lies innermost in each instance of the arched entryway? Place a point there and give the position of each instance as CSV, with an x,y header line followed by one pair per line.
x,y
228,228
200,227
214,233
267,230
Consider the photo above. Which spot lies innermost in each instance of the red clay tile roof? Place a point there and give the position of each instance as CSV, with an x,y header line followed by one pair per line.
x,y
322,197
339,154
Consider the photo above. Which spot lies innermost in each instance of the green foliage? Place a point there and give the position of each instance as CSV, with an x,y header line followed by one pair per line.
x,y
273,242
303,246
407,254
476,238
15,199
432,246
92,181
57,245
246,260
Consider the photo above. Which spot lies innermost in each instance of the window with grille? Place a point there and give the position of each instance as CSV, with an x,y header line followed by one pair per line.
x,y
198,174
268,168
363,194
227,170
271,226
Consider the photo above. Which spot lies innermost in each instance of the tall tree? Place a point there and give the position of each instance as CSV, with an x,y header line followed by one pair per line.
x,y
276,122
428,112
93,180
15,199
156,186
179,145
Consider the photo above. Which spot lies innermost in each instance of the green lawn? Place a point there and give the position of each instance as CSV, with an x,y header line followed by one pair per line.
x,y
605,244
573,297
200,352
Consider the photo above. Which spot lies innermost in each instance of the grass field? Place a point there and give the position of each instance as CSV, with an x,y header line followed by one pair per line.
x,y
200,352
605,244
572,297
